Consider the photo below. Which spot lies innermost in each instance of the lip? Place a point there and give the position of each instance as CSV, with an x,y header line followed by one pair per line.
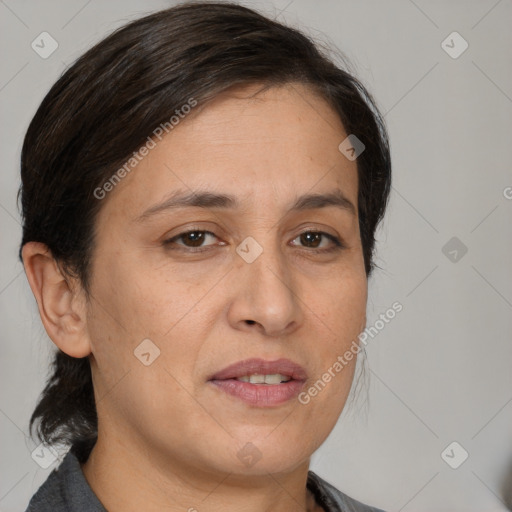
x,y
261,395
262,366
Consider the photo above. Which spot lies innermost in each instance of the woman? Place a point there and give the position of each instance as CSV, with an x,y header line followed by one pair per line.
x,y
200,193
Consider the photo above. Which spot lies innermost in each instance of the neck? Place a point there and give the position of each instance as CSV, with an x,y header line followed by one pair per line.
x,y
127,477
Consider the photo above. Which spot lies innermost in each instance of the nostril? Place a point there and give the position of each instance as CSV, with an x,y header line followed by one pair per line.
x,y
250,322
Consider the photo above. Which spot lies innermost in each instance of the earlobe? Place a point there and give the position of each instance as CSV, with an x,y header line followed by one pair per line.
x,y
61,306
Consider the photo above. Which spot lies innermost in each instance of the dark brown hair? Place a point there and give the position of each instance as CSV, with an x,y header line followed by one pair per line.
x,y
112,98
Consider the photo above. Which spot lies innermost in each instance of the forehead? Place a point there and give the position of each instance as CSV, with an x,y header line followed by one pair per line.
x,y
261,148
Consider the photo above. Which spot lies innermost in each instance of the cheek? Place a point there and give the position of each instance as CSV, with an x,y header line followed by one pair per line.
x,y
138,300
146,329
342,319
341,307
137,310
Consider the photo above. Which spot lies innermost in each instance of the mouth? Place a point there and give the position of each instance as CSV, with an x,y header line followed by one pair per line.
x,y
261,383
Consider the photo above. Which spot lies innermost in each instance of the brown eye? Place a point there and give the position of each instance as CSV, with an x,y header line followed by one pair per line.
x,y
314,239
194,238
311,239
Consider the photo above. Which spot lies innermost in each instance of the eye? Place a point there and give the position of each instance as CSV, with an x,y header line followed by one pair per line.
x,y
194,241
191,239
313,240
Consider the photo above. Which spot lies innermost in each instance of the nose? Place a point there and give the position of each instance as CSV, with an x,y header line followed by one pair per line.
x,y
266,297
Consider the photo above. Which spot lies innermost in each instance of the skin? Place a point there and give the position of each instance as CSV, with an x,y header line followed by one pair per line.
x,y
168,439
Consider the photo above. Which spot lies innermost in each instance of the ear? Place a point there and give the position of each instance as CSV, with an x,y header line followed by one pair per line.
x,y
60,300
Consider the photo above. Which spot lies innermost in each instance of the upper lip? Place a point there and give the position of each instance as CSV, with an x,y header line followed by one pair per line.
x,y
262,367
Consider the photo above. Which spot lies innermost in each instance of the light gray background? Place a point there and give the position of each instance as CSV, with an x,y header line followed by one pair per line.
x,y
441,370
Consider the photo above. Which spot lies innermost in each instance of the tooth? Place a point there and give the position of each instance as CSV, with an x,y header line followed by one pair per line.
x,y
273,379
258,378
284,378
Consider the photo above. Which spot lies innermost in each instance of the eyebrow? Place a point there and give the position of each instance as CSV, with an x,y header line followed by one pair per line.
x,y
205,199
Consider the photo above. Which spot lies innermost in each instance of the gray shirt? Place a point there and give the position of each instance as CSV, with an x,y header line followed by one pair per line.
x,y
67,490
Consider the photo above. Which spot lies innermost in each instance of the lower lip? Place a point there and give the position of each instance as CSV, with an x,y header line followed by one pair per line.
x,y
261,395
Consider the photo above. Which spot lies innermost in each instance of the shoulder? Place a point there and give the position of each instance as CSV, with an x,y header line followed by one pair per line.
x,y
333,500
65,490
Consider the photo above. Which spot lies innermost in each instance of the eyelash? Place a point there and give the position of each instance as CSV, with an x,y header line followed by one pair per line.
x,y
338,244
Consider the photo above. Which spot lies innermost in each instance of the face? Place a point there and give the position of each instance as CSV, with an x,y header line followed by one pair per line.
x,y
260,280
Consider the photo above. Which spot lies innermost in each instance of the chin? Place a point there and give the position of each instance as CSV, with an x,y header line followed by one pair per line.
x,y
265,465
266,455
